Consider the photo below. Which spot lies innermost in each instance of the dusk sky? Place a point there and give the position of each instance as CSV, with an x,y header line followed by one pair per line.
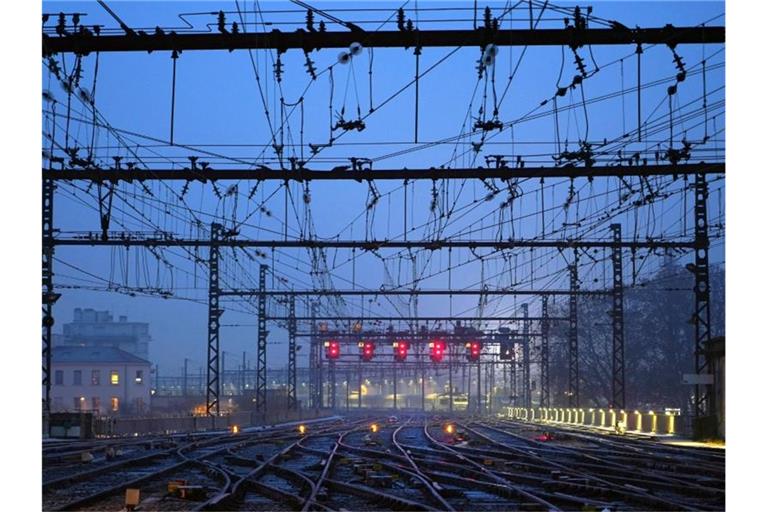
x,y
220,117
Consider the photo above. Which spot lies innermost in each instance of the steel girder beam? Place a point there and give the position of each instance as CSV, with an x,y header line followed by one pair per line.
x,y
343,173
261,347
131,239
702,316
618,391
544,400
448,337
84,41
49,296
289,293
413,318
573,339
214,314
293,403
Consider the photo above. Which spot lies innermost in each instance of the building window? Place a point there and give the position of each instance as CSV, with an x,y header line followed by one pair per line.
x,y
78,378
79,403
95,403
95,377
139,376
114,378
59,377
115,402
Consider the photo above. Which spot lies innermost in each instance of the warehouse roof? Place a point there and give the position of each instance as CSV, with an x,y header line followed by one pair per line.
x,y
94,355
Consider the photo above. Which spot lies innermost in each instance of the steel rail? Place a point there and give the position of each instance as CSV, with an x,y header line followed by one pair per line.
x,y
518,490
429,485
90,498
638,493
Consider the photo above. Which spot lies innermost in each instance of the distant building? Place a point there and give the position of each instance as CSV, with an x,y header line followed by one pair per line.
x,y
92,328
103,380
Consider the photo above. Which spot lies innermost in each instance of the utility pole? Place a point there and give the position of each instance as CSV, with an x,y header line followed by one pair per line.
x,y
214,314
617,317
293,403
261,348
526,358
492,387
332,372
394,383
479,405
573,339
513,375
313,368
544,402
450,376
49,296
184,380
223,372
242,376
359,384
703,405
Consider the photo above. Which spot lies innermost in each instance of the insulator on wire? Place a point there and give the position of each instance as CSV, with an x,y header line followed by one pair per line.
x,y
310,20
355,49
184,189
61,26
487,17
310,65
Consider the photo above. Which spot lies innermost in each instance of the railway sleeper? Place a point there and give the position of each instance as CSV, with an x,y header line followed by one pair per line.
x,y
492,488
394,502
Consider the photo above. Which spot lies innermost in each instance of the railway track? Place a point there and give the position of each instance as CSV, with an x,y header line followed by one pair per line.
x,y
416,464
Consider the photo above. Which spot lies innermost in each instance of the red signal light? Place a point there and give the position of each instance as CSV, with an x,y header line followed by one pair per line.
x,y
401,350
436,350
368,348
332,349
473,350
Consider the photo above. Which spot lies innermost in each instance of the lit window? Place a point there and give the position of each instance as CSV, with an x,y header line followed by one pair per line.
x,y
59,377
78,378
95,377
139,376
114,378
115,404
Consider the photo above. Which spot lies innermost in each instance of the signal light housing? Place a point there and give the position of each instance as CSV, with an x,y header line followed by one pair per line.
x,y
367,349
436,350
473,350
401,350
332,349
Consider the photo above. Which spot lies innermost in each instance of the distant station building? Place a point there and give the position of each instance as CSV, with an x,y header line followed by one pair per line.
x,y
98,329
103,380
